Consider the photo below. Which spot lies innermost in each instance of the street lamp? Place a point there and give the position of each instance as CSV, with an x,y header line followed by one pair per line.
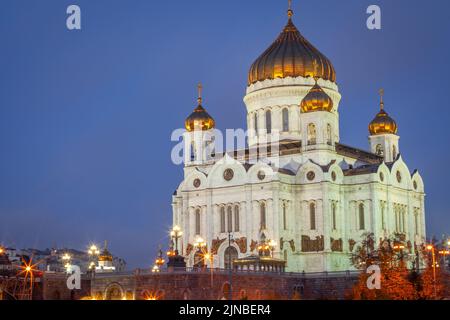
x,y
431,248
272,245
399,247
66,259
155,269
93,252
160,260
175,234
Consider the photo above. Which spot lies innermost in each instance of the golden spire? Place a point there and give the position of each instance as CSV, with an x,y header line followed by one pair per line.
x,y
290,13
200,89
381,92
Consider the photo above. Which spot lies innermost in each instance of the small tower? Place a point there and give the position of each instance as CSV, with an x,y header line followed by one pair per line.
x,y
199,137
383,137
318,120
105,261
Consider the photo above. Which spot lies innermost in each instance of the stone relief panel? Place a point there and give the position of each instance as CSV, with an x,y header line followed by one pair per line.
x,y
309,245
216,244
242,244
336,245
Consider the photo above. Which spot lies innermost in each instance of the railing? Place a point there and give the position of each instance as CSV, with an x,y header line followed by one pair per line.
x,y
221,271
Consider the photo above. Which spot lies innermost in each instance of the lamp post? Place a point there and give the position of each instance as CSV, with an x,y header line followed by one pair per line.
x,y
66,259
200,244
230,270
399,247
93,253
431,248
176,234
272,245
160,260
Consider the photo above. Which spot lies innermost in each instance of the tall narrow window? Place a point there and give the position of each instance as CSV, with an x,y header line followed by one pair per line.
x,y
383,223
262,214
394,152
361,217
333,209
311,134
255,119
269,121
404,219
222,219
197,221
230,219
396,219
285,117
192,151
312,216
416,222
236,218
284,217
328,134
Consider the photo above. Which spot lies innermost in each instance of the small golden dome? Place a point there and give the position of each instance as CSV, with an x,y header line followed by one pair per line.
x,y
105,255
291,55
199,119
316,100
382,123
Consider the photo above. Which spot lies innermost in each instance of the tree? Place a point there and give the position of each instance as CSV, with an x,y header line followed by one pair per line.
x,y
388,255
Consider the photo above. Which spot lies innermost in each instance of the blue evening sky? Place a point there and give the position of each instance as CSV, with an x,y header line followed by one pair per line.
x,y
86,116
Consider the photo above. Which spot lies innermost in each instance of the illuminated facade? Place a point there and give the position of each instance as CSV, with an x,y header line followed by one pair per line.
x,y
315,197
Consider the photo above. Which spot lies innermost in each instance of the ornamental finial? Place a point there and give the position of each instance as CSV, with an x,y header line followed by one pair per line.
x,y
381,92
200,89
290,12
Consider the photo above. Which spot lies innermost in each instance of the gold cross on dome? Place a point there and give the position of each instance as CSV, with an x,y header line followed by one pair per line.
x,y
290,12
381,98
200,89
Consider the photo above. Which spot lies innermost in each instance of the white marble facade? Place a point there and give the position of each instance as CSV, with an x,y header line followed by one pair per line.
x,y
316,202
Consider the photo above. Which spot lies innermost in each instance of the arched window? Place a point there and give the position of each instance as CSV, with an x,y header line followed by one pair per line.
x,y
197,222
311,134
333,209
284,217
222,219
236,218
230,218
192,150
379,150
328,134
285,116
394,152
255,119
361,217
312,216
269,121
262,216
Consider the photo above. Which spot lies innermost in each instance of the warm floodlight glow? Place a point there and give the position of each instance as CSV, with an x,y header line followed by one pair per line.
x,y
429,247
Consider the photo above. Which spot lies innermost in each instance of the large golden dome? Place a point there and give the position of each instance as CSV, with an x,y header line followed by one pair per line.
x,y
316,100
199,120
382,123
291,55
